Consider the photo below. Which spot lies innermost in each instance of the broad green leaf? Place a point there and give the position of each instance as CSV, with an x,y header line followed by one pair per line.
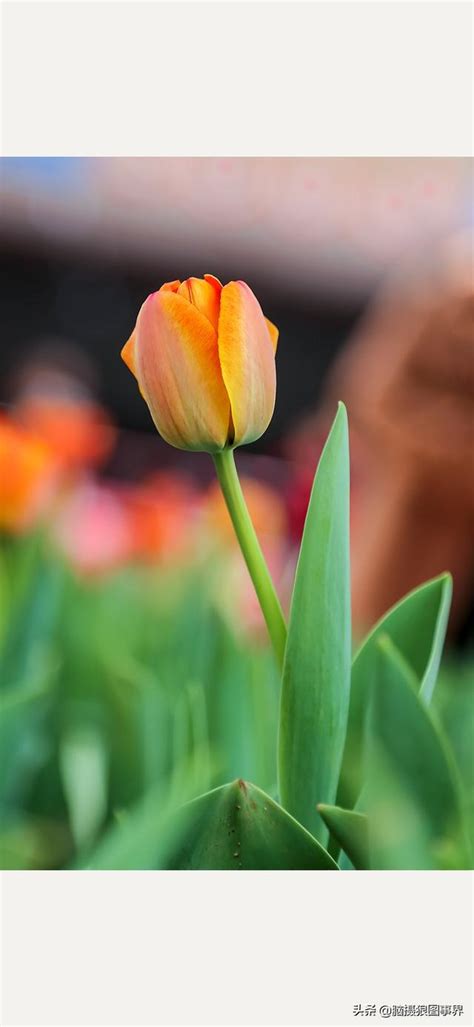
x,y
351,831
316,674
417,627
411,794
238,827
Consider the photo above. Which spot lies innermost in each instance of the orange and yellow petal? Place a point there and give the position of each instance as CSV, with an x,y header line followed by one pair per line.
x,y
177,366
247,360
214,281
170,286
128,353
204,295
274,333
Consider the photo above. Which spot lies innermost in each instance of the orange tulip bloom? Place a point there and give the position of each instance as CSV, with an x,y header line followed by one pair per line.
x,y
204,358
28,474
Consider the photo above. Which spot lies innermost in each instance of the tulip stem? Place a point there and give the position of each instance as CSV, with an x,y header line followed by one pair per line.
x,y
251,551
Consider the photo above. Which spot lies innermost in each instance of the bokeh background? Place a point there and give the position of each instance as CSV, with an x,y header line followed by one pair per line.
x,y
134,656
376,252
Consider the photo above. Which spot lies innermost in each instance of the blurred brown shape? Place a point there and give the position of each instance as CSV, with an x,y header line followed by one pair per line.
x,y
408,382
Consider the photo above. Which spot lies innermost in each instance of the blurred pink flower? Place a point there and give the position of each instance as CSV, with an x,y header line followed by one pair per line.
x,y
93,528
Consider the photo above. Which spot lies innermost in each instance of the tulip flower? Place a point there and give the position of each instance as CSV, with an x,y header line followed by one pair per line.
x,y
204,358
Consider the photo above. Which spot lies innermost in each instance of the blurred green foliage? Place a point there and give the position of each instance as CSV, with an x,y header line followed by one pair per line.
x,y
116,689
134,714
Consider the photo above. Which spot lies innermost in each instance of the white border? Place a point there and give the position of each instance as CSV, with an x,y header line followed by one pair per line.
x,y
207,948
260,78
302,78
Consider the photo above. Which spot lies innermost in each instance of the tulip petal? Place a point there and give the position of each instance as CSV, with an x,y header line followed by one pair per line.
x,y
214,281
274,333
247,360
128,353
170,286
179,375
204,296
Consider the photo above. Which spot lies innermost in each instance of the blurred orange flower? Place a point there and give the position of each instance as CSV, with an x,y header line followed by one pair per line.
x,y
28,473
164,512
80,433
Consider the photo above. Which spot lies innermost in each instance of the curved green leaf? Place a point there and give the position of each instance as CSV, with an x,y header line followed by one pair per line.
x,y
351,831
411,792
417,627
238,827
316,674
430,674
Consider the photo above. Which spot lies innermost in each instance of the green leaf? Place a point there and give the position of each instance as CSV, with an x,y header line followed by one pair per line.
x,y
441,615
28,643
140,839
316,674
146,835
83,766
238,827
25,715
411,794
351,831
417,627
454,706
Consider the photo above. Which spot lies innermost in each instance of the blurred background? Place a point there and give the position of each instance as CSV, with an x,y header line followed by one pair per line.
x,y
364,264
122,655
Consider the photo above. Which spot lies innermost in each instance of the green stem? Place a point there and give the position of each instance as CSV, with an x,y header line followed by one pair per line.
x,y
252,553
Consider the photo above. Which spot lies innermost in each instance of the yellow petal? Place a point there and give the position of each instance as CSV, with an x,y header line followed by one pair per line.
x,y
178,370
204,295
247,360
